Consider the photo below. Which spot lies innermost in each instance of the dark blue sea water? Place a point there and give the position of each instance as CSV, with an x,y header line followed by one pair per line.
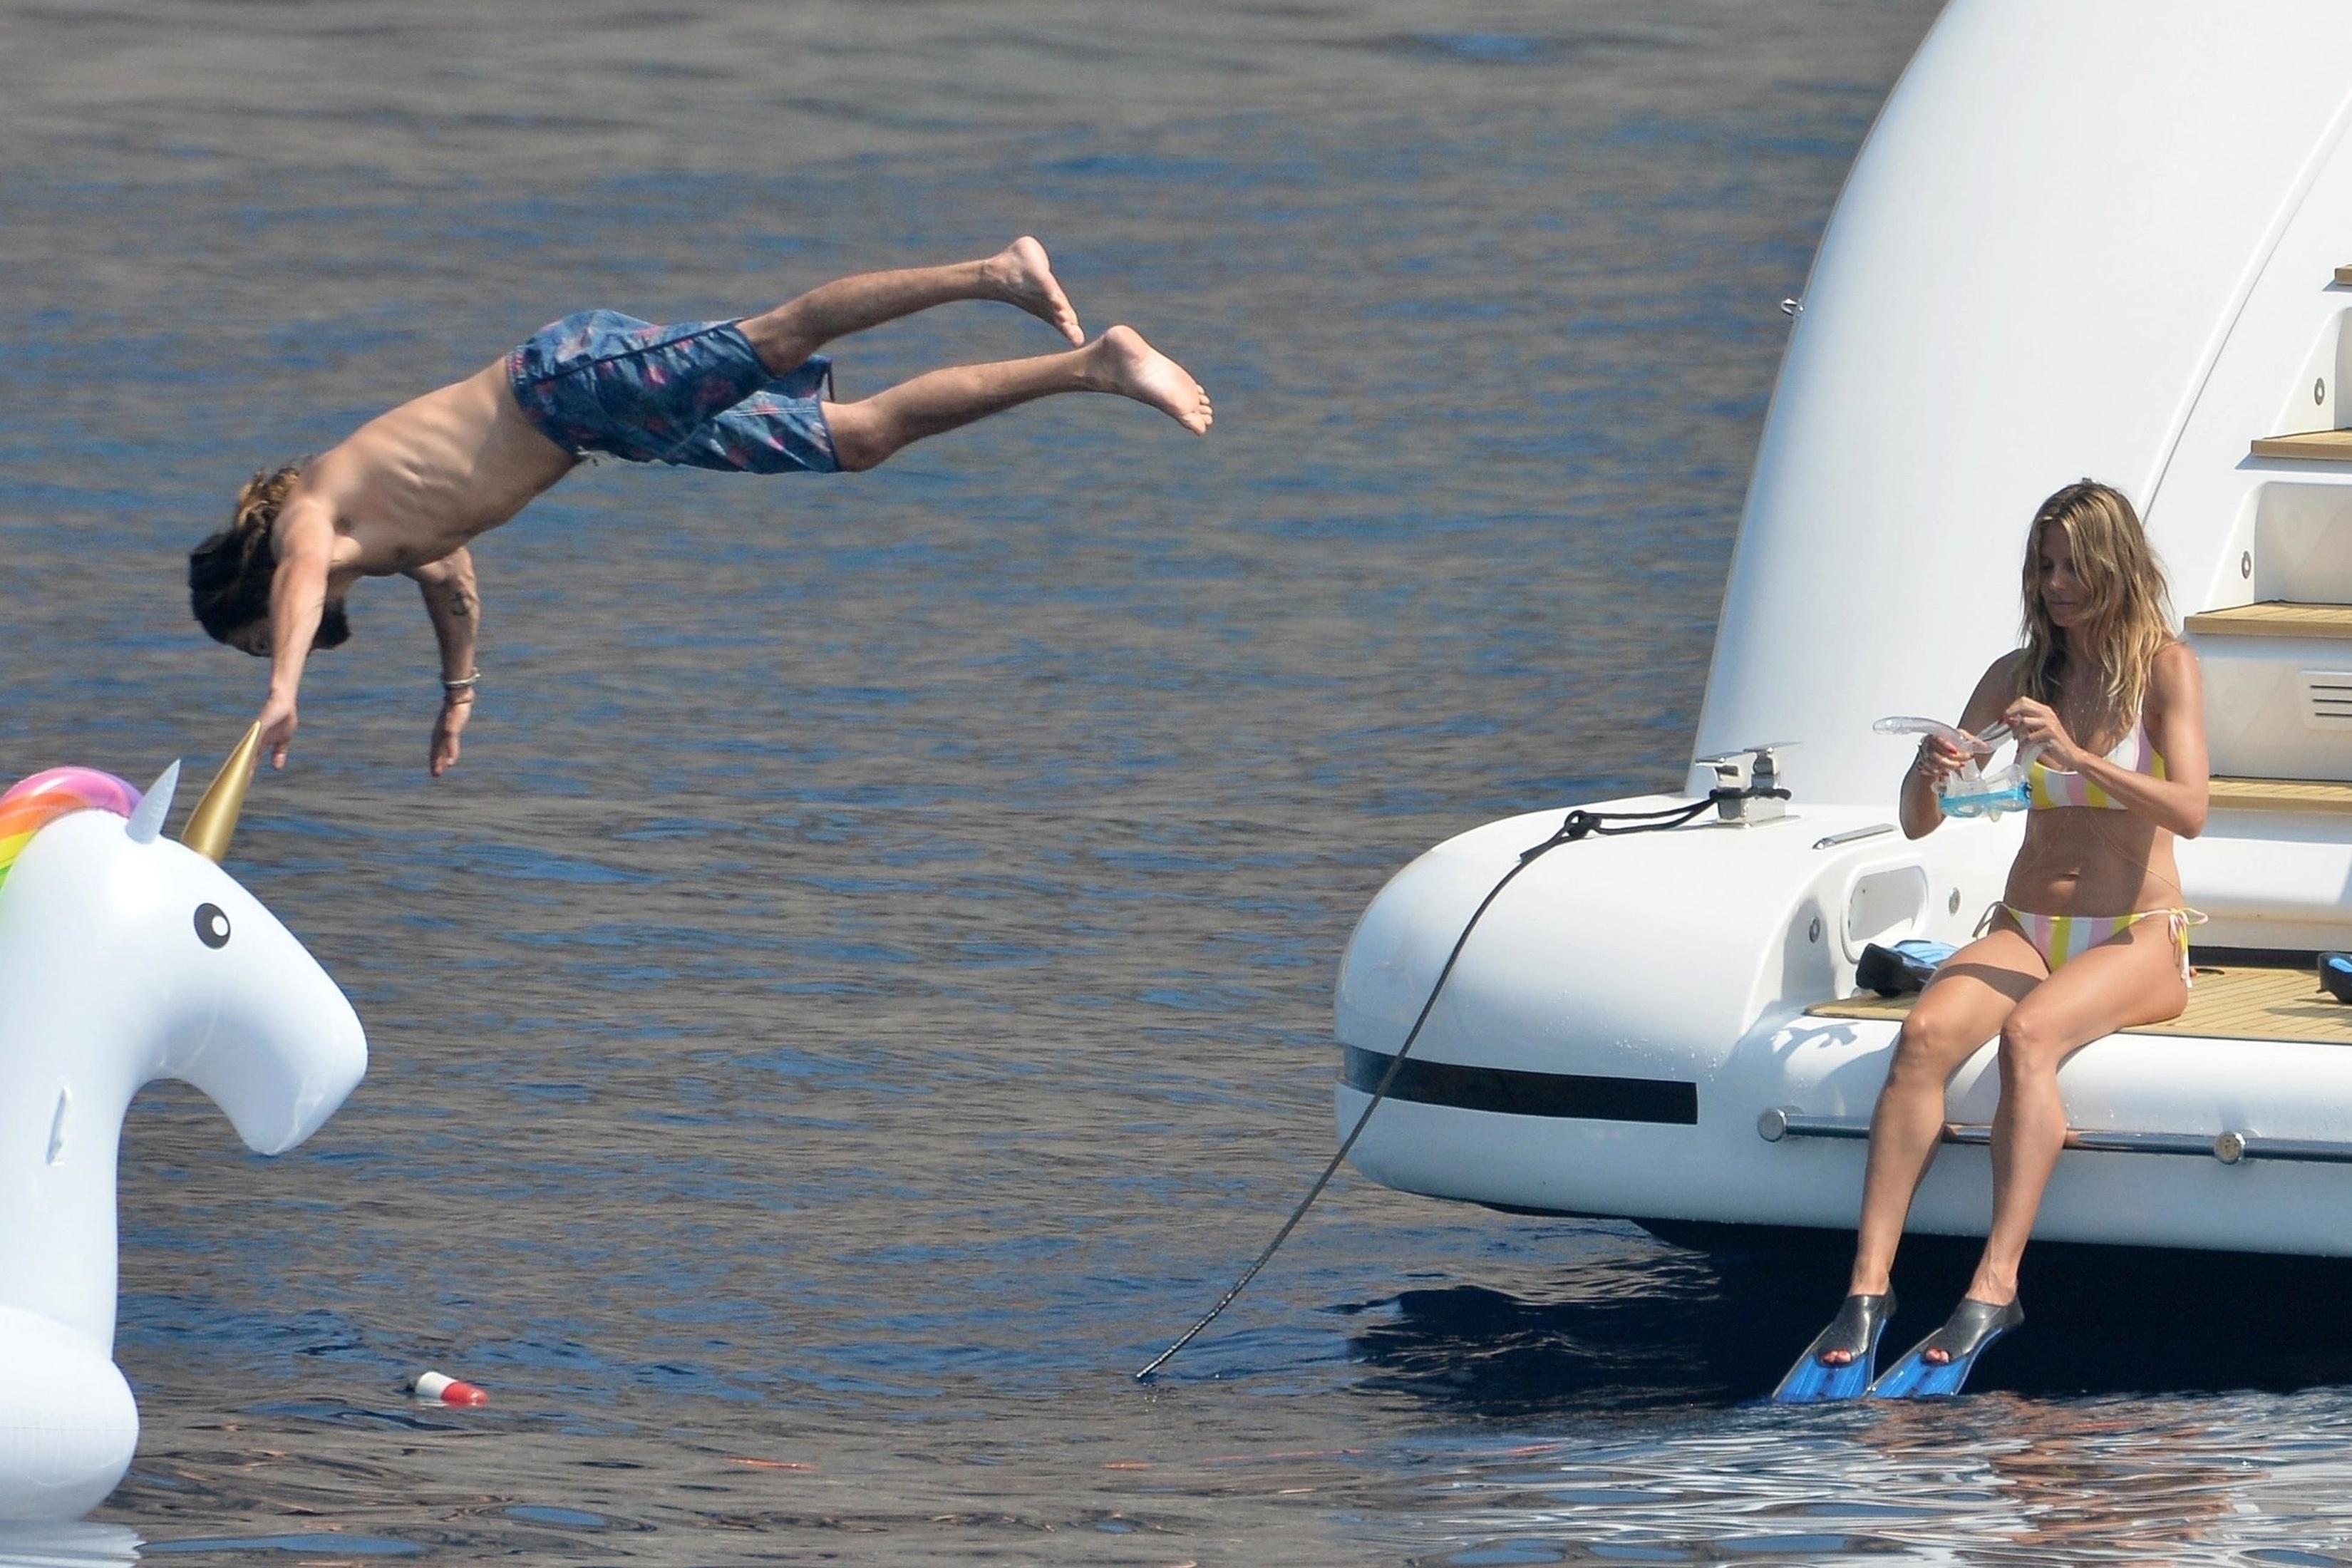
x,y
868,985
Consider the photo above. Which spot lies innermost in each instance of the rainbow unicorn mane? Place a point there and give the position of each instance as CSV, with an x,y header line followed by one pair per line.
x,y
32,804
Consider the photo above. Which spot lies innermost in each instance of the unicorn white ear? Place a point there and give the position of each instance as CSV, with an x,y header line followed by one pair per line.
x,y
155,806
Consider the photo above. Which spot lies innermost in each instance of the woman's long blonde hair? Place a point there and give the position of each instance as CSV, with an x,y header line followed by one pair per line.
x,y
2131,610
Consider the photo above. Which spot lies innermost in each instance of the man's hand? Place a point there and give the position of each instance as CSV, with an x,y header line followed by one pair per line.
x,y
277,725
455,708
305,542
455,607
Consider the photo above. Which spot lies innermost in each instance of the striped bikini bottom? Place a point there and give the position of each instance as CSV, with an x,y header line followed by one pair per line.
x,y
2061,937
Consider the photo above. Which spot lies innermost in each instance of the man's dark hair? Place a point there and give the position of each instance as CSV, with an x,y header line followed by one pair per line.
x,y
229,574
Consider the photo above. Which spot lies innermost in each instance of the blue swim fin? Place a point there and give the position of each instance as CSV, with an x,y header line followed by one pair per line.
x,y
1967,1334
1856,1330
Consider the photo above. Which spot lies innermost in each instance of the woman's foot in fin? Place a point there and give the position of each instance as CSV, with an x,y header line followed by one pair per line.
x,y
1940,1364
1838,1363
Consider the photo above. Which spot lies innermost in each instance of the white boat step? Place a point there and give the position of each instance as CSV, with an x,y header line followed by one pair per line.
x,y
2326,797
2275,619
2311,446
2229,1001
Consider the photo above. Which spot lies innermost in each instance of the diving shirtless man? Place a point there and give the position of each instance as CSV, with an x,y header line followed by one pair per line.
x,y
408,491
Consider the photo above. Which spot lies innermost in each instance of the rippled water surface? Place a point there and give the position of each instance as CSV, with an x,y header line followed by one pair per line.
x,y
866,988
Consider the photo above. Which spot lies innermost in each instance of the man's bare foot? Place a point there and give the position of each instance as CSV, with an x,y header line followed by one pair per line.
x,y
1125,364
1024,278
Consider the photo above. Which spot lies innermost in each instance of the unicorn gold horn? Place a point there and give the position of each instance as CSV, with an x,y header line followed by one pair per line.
x,y
214,822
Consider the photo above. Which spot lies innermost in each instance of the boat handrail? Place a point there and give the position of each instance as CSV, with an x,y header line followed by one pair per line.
x,y
2230,1148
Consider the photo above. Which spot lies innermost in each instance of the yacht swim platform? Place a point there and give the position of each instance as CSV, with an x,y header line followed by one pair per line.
x,y
2229,1001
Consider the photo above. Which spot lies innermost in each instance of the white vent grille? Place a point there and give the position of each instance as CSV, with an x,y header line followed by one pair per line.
x,y
2327,698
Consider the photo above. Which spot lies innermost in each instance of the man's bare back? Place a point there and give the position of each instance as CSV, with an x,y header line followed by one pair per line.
x,y
408,490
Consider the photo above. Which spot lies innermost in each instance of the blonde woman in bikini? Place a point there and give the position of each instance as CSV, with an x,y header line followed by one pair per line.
x,y
2091,935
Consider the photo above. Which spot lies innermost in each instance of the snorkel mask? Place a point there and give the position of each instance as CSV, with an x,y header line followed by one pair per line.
x,y
1973,792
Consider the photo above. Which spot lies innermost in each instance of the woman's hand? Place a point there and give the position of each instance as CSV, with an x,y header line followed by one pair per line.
x,y
2036,724
1939,758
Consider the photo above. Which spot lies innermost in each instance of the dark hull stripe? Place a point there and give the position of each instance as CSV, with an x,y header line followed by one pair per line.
x,y
1511,1092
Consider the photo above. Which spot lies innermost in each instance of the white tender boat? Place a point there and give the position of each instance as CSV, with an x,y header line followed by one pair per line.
x,y
2112,238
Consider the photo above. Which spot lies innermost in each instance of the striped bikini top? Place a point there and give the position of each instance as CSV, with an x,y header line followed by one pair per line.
x,y
2048,788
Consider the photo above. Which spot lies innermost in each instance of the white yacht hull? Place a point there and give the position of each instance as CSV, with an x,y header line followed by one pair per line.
x,y
2109,238
1596,1052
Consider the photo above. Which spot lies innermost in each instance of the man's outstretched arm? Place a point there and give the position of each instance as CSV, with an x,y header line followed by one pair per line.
x,y
305,546
456,607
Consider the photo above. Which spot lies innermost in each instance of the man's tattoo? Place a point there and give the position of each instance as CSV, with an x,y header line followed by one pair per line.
x,y
459,607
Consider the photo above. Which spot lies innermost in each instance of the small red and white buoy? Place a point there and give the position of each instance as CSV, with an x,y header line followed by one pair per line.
x,y
434,1388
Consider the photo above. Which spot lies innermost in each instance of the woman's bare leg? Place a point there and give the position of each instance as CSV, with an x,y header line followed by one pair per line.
x,y
1019,275
2135,979
866,432
1959,1011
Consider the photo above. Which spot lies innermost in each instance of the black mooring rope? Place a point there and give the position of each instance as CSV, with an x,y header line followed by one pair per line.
x,y
1577,825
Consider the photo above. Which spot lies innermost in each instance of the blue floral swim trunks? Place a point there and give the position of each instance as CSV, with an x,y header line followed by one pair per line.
x,y
693,394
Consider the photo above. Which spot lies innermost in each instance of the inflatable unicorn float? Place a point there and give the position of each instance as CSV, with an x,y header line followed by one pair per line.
x,y
125,958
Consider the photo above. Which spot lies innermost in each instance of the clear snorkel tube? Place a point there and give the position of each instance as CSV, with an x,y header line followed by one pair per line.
x,y
1972,792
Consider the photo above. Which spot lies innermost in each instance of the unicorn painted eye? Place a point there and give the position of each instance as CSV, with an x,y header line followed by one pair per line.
x,y
212,925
